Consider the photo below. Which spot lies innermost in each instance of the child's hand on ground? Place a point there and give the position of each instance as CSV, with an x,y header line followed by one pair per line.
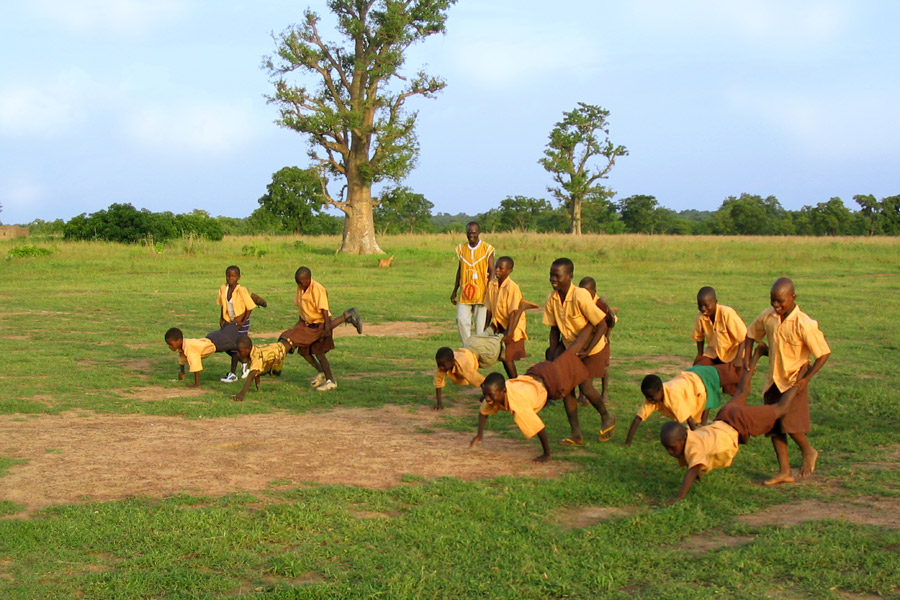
x,y
239,397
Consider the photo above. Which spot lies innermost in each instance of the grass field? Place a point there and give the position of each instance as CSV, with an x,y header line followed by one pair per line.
x,y
85,359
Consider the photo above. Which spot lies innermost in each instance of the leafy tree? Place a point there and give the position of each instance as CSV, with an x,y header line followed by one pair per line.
x,y
570,157
751,215
521,213
125,223
294,197
881,217
599,215
400,209
826,218
356,121
639,214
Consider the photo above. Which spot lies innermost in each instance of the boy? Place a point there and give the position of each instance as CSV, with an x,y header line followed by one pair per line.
x,y
506,313
236,305
525,396
792,336
569,310
262,359
311,336
720,334
191,351
590,284
461,366
475,269
716,445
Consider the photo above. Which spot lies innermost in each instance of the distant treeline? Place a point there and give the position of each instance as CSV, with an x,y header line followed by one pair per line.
x,y
405,212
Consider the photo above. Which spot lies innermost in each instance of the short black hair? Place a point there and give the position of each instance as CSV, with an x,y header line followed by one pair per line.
x,y
443,353
508,259
302,271
587,281
706,292
564,262
174,334
651,385
475,223
233,268
672,433
244,341
494,381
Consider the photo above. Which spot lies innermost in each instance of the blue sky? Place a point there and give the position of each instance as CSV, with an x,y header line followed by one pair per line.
x,y
160,102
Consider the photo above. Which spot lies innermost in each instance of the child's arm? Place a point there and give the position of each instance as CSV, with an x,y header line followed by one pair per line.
x,y
554,339
326,326
243,319
490,266
438,402
748,351
600,330
482,419
634,425
181,373
689,478
803,380
253,376
691,423
700,347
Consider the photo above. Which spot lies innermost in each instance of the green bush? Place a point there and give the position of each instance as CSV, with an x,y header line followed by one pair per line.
x,y
26,251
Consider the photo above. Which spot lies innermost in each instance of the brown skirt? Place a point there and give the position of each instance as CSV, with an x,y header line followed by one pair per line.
x,y
597,365
797,419
560,376
308,339
515,351
748,421
729,373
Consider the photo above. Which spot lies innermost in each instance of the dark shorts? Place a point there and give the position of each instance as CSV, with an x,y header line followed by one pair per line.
x,y
224,339
748,421
308,340
560,376
797,419
597,365
515,351
729,373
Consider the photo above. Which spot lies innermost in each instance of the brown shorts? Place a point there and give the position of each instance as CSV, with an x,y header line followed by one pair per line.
x,y
797,419
560,376
729,373
597,365
515,351
307,339
748,421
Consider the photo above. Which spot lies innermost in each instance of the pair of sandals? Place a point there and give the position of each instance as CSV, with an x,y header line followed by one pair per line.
x,y
605,435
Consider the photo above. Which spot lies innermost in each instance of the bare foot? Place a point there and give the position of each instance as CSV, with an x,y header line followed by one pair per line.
x,y
809,464
780,478
541,458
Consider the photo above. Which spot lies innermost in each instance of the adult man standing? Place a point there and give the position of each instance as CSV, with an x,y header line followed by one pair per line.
x,y
475,270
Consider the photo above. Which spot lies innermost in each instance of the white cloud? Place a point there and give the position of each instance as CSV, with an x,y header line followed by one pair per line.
x,y
198,127
126,17
46,109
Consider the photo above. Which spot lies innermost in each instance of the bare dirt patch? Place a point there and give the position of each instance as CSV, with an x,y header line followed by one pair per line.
x,y
702,543
587,516
110,457
142,365
882,512
158,392
414,329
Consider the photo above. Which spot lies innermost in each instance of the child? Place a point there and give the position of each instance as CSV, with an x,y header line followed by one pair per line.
x,y
568,311
716,445
236,305
792,336
262,359
720,334
590,284
461,366
525,396
311,336
474,271
506,313
191,352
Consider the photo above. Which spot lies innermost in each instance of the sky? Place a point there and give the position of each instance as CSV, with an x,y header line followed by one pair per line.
x,y
161,103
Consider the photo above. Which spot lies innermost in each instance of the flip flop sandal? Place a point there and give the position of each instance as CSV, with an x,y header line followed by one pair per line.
x,y
571,442
607,434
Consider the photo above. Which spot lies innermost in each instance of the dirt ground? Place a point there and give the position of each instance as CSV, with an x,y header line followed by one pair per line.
x,y
76,458
392,329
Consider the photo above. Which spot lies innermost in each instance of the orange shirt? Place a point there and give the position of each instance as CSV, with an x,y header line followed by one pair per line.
x,y
473,271
264,358
790,342
724,337
683,397
503,301
713,447
240,300
573,314
464,371
312,302
193,351
525,397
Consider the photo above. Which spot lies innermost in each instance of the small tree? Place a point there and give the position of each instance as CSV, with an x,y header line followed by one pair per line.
x,y
521,213
295,197
357,126
640,214
574,144
401,209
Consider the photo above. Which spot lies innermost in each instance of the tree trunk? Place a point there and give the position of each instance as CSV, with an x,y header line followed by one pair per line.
x,y
576,216
359,224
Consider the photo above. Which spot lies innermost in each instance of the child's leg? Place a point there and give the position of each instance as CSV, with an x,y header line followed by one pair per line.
x,y
809,454
779,442
326,366
571,405
234,363
464,321
312,360
594,397
510,367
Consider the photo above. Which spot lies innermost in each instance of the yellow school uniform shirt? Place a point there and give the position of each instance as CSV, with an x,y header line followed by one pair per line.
x,y
683,397
240,300
267,358
503,300
312,302
713,447
525,397
464,371
572,314
791,342
473,271
193,351
724,337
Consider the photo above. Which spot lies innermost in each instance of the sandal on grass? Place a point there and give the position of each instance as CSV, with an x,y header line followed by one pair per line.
x,y
606,434
571,442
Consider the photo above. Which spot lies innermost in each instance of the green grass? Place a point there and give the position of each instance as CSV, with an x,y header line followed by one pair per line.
x,y
84,328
